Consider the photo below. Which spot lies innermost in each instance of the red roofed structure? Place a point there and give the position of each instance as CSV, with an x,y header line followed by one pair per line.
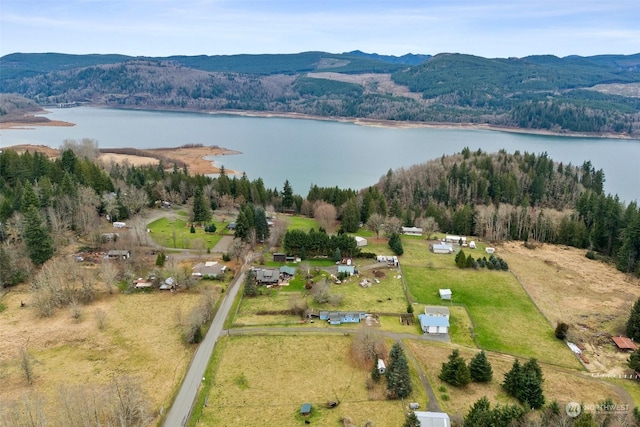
x,y
625,343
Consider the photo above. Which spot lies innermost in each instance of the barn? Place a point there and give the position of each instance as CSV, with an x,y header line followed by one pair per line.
x,y
279,257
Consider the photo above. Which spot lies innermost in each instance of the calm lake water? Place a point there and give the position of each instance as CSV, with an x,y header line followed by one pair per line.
x,y
325,153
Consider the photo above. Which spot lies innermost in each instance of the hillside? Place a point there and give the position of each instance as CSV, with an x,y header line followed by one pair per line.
x,y
590,95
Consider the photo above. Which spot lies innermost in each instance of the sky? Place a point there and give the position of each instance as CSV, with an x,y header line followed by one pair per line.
x,y
488,28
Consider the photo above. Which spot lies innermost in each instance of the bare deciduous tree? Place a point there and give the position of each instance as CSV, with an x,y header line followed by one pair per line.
x,y
326,214
429,226
109,273
375,223
393,225
367,345
101,318
236,250
26,364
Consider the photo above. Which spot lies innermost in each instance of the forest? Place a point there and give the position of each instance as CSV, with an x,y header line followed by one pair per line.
x,y
495,196
563,95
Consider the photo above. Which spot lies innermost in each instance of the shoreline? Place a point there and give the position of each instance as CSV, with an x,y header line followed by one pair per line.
x,y
29,123
196,158
393,124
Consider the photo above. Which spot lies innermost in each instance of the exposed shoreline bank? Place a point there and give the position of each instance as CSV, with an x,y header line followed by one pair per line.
x,y
29,122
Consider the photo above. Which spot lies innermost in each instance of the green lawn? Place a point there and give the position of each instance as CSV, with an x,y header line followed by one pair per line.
x,y
177,234
505,318
301,223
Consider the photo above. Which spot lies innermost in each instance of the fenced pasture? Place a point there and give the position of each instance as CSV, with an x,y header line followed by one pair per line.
x,y
505,318
559,384
264,380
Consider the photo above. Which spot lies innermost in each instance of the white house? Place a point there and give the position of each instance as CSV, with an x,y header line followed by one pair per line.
x,y
441,248
450,238
445,294
433,419
361,241
412,231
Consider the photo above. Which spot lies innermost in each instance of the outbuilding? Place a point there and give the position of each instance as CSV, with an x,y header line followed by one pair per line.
x,y
360,241
434,324
445,294
441,248
305,409
279,257
433,419
381,366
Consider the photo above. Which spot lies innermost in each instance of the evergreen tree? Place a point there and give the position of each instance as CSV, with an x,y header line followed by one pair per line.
x,y
461,259
395,243
37,238
242,226
532,366
160,259
29,197
479,415
260,224
250,288
375,372
455,371
350,216
398,378
633,324
634,360
287,195
411,420
223,186
531,393
337,255
524,382
513,379
192,230
201,211
480,368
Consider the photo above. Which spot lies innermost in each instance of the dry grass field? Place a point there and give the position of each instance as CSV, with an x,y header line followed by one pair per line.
x,y
141,338
559,384
592,297
277,374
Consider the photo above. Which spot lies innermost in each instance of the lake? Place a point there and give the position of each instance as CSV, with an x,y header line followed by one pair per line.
x,y
321,152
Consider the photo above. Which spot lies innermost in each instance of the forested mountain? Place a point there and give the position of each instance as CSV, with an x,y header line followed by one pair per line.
x,y
592,95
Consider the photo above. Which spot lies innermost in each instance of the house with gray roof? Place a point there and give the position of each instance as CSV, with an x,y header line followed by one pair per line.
x,y
267,276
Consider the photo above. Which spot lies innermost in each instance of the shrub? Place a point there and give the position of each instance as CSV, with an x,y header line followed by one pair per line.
x,y
561,330
590,255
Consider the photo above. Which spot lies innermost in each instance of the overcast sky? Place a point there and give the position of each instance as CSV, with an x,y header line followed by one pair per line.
x,y
489,28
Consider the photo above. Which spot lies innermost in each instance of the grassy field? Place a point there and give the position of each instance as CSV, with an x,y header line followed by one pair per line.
x,y
264,380
176,233
559,384
142,338
505,319
301,223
